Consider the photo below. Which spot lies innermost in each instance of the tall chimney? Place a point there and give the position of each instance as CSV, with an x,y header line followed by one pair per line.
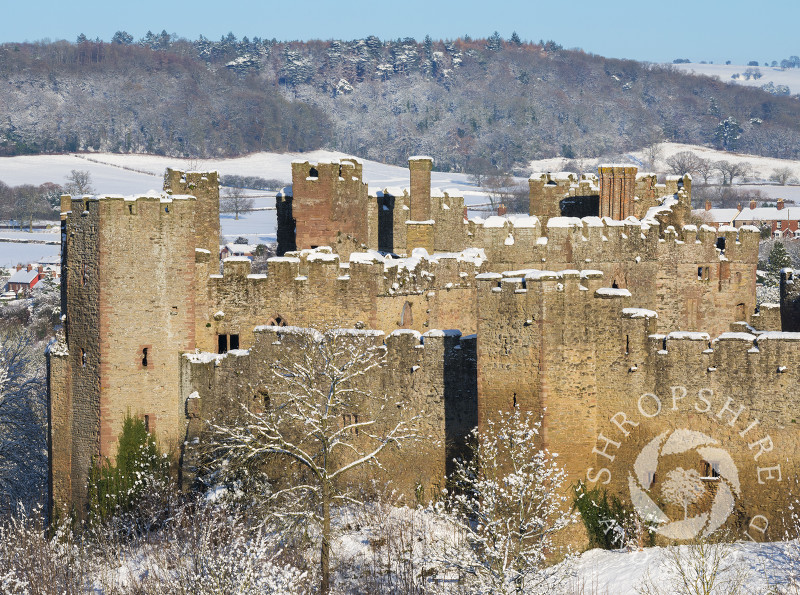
x,y
708,205
780,204
752,204
420,171
617,186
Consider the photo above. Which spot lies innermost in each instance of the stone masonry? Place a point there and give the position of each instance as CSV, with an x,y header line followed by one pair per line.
x,y
604,311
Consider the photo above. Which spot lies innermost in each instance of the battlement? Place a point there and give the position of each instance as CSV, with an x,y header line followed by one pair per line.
x,y
617,192
770,356
308,269
511,242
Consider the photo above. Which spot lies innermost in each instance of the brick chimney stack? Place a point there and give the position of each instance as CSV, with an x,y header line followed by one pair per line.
x,y
502,210
752,204
739,207
29,268
708,205
617,186
780,204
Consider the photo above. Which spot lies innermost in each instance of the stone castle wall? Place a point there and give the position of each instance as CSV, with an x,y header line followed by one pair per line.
x,y
607,386
313,288
423,372
569,345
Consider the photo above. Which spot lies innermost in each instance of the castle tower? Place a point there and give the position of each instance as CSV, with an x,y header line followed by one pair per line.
x,y
205,187
128,291
328,200
420,172
617,185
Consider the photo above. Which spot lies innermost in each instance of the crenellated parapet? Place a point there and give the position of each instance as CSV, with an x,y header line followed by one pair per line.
x,y
617,192
313,287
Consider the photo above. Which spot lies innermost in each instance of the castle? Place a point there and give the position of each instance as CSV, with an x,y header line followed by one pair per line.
x,y
632,331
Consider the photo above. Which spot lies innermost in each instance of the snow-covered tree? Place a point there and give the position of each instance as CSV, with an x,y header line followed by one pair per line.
x,y
79,182
509,502
316,427
728,133
23,423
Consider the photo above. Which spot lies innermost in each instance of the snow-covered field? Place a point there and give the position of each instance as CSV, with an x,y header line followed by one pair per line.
x,y
763,167
134,174
789,76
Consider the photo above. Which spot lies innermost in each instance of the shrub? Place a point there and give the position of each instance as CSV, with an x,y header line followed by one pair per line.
x,y
130,491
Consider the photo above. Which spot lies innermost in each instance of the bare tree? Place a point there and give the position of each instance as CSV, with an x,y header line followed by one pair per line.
x,y
652,155
730,170
79,182
682,163
321,423
236,202
509,504
499,188
703,567
704,168
782,176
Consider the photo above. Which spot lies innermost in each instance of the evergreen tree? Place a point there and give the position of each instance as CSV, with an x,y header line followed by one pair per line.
x,y
778,259
515,39
138,477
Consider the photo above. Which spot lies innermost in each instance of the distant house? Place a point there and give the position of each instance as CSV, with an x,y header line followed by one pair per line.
x,y
51,266
783,221
238,250
716,217
23,280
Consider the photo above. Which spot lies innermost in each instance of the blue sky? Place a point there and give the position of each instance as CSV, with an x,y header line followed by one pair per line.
x,y
711,30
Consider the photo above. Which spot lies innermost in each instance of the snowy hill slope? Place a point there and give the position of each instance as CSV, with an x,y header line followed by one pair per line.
x,y
789,77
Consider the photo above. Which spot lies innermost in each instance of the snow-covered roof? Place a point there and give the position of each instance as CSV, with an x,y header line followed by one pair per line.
x,y
24,276
716,215
53,259
241,249
769,214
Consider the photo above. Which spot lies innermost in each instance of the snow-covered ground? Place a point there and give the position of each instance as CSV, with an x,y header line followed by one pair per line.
x,y
131,174
763,167
789,76
135,174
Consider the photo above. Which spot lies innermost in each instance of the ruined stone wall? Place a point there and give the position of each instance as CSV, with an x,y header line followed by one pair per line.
x,y
313,288
693,284
626,194
609,389
540,339
736,390
332,201
157,316
129,281
74,375
426,374
617,187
